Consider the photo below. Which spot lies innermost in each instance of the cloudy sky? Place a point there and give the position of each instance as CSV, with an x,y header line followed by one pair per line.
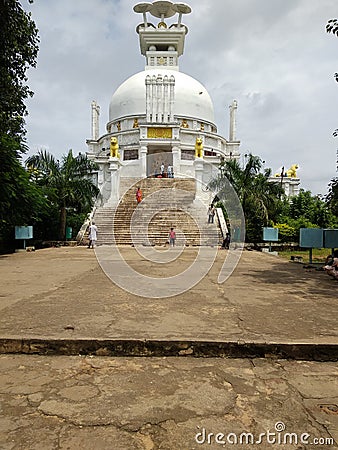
x,y
273,56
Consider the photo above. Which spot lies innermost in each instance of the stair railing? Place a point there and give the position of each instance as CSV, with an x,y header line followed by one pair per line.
x,y
222,222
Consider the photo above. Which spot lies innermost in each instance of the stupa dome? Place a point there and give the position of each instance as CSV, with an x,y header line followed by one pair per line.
x,y
191,97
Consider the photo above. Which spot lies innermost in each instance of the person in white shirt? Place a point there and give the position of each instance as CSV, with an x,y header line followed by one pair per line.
x,y
92,235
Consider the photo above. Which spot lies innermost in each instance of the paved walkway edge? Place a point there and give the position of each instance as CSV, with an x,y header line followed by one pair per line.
x,y
158,348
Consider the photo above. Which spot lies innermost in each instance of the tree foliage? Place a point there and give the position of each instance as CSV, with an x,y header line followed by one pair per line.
x,y
312,208
67,184
265,204
19,199
260,199
305,211
18,51
332,26
332,196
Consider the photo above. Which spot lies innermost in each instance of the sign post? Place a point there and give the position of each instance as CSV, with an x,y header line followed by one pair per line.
x,y
311,238
24,233
270,234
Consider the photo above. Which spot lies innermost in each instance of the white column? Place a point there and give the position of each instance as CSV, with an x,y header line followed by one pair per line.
x,y
100,177
176,151
159,98
171,97
143,160
114,166
232,129
95,120
153,99
165,99
199,167
148,97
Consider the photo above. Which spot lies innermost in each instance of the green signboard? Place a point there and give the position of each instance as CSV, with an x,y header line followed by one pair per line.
x,y
270,234
311,238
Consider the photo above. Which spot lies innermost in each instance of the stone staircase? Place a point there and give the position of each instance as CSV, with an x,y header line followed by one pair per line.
x,y
166,203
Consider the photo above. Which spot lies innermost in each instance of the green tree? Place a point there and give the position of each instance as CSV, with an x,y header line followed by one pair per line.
x,y
260,199
332,197
289,228
67,184
18,51
21,201
311,208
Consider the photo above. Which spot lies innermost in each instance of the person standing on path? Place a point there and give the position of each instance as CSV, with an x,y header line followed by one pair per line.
x,y
92,235
139,195
226,242
172,237
211,213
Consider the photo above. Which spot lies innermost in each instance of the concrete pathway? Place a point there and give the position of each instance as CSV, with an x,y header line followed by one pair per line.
x,y
62,293
58,301
99,403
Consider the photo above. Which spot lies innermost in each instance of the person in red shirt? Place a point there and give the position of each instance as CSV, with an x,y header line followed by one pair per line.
x,y
139,195
172,237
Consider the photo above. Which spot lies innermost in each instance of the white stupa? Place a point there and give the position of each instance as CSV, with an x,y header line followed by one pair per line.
x,y
156,116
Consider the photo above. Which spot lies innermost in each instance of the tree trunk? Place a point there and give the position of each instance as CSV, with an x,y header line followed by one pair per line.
x,y
62,228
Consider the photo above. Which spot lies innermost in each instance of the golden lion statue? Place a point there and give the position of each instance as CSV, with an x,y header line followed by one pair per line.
x,y
114,148
199,148
292,172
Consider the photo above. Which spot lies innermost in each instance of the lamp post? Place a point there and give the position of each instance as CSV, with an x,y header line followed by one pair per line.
x,y
281,179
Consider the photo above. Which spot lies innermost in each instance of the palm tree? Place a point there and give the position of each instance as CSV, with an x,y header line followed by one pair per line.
x,y
68,184
260,198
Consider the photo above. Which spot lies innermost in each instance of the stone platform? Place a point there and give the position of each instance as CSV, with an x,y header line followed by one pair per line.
x,y
62,295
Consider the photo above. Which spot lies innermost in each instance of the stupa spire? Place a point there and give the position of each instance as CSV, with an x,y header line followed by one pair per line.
x,y
162,44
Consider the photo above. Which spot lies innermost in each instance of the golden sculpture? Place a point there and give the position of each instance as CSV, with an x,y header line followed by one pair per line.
x,y
114,148
292,172
159,133
135,124
118,126
199,148
184,123
202,126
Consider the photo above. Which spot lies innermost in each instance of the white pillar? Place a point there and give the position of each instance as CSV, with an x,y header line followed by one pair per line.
x,y
143,160
165,99
159,98
176,151
95,120
232,129
171,97
199,167
148,97
153,99
114,166
100,177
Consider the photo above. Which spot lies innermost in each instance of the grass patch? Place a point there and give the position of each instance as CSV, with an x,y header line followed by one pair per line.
x,y
318,254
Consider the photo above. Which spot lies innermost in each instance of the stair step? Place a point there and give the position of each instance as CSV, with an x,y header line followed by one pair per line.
x,y
152,221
